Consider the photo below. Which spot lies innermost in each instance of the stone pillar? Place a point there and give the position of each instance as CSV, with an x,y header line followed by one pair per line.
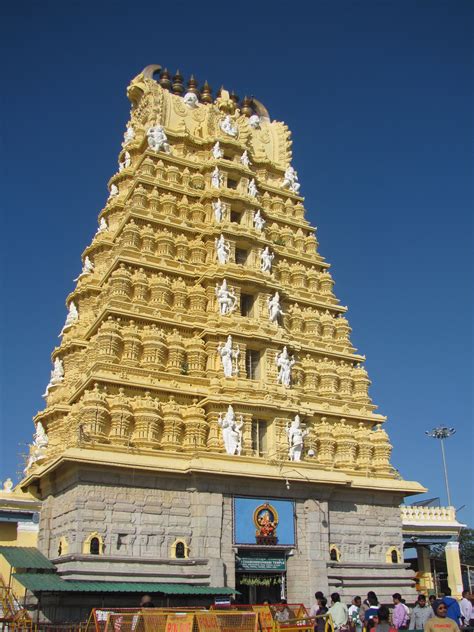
x,y
454,569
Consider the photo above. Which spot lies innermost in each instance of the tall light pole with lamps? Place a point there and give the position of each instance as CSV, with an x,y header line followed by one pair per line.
x,y
442,433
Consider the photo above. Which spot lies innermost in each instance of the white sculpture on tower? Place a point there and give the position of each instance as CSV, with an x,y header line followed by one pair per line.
x,y
291,180
231,431
219,210
38,448
252,188
245,160
87,268
191,100
57,375
216,178
217,152
129,135
71,318
266,259
254,121
8,486
274,308
229,357
113,191
258,221
222,250
226,299
157,139
227,126
296,435
126,162
284,363
103,226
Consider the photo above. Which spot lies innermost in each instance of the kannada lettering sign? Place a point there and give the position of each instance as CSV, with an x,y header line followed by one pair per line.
x,y
179,623
207,622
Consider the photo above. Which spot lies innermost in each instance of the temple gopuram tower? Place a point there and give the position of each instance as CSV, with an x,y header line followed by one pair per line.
x,y
207,419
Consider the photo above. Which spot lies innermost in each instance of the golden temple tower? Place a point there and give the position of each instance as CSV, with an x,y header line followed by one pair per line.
x,y
205,371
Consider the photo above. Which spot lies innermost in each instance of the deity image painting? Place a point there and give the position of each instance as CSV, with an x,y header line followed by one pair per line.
x,y
265,518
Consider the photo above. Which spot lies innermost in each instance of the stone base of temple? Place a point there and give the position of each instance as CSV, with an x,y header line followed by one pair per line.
x,y
118,524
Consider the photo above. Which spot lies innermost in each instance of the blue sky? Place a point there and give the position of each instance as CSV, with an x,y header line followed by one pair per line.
x,y
378,95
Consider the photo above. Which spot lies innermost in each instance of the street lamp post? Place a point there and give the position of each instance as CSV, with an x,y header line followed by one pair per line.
x,y
442,433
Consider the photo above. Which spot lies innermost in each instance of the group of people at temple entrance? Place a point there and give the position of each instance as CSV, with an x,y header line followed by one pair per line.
x,y
431,615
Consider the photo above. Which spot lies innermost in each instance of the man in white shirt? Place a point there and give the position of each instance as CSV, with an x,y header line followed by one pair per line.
x,y
466,608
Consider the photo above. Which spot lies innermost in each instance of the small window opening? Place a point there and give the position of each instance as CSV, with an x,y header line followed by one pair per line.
x,y
394,557
259,437
252,362
235,217
60,548
232,184
180,550
94,547
333,555
246,304
241,256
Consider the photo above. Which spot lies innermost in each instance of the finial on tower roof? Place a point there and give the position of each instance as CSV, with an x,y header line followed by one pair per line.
x,y
206,93
234,97
247,106
178,83
193,85
165,79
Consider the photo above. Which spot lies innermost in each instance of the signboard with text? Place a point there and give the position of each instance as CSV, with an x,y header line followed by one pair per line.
x,y
259,563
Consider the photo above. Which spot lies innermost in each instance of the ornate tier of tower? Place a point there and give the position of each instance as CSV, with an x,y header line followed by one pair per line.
x,y
206,381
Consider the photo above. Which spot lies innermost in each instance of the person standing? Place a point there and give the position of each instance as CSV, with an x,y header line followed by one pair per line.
x,y
454,611
353,612
466,608
399,615
440,622
321,623
381,620
318,595
338,611
370,610
420,614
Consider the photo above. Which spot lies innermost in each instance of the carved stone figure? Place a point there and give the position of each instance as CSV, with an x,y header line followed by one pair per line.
x,y
252,188
103,226
222,250
291,180
129,135
245,160
216,178
38,448
274,308
217,152
87,268
266,259
191,100
296,436
258,221
8,486
57,375
113,191
126,162
71,318
231,431
219,210
228,127
157,139
226,299
254,121
284,363
229,357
